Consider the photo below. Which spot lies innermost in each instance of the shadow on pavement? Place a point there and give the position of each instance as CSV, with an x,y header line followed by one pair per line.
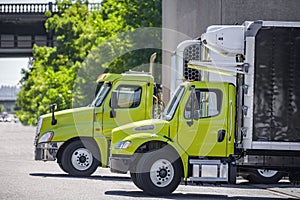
x,y
102,178
243,185
140,194
246,185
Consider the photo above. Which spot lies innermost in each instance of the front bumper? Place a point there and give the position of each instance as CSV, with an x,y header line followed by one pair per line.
x,y
46,151
120,163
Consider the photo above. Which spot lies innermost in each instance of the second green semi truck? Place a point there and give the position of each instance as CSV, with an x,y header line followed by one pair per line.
x,y
79,139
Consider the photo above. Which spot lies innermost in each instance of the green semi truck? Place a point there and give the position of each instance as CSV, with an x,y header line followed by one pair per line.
x,y
79,139
215,127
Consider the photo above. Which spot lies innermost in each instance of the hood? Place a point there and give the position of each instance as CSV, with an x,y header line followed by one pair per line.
x,y
69,117
155,126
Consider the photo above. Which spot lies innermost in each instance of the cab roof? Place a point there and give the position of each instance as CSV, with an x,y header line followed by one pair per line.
x,y
132,76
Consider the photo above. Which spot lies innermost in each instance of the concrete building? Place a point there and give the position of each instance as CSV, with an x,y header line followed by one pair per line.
x,y
8,97
187,19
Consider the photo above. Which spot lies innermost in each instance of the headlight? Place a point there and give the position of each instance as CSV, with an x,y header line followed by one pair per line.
x,y
123,145
39,125
47,137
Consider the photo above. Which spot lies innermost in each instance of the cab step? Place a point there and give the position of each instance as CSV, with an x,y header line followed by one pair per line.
x,y
209,171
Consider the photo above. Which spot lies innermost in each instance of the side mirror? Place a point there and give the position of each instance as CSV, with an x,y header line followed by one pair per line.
x,y
113,103
114,99
196,115
192,97
52,109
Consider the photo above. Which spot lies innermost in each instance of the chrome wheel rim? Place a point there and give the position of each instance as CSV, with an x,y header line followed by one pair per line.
x,y
161,173
267,173
82,159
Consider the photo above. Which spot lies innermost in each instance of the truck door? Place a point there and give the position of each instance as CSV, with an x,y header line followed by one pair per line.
x,y
130,107
203,127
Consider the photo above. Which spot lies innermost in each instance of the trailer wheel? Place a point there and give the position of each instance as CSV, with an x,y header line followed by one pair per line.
x,y
264,176
78,159
158,172
294,177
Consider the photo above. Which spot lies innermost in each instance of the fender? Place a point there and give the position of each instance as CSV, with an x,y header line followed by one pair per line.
x,y
103,145
66,132
139,139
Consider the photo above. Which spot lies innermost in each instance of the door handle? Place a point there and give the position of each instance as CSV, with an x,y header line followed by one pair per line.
x,y
221,135
112,113
230,120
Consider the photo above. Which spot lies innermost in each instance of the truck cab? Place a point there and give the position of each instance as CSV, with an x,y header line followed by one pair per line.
x,y
79,139
195,141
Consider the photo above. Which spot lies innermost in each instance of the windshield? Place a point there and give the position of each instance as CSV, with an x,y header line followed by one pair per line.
x,y
172,106
99,85
104,89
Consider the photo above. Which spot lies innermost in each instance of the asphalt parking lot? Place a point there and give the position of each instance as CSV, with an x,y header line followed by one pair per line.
x,y
23,178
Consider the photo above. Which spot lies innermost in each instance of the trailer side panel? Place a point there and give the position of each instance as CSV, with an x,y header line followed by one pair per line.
x,y
277,85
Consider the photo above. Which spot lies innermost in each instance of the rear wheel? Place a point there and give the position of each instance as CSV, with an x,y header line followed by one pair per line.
x,y
294,177
264,176
158,172
80,159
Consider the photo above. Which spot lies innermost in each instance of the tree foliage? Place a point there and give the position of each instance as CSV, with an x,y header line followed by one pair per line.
x,y
88,43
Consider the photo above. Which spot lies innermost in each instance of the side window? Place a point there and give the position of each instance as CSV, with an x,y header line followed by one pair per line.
x,y
206,103
129,96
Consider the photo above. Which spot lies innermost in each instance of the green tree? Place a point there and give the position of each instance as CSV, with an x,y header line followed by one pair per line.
x,y
53,76
1,108
125,42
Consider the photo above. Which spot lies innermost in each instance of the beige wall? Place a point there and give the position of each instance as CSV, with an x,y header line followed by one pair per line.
x,y
187,19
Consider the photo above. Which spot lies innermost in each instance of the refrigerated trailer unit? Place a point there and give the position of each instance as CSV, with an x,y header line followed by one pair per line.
x,y
269,132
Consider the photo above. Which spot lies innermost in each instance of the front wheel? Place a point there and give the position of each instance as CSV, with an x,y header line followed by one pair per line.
x,y
80,159
158,172
135,181
62,167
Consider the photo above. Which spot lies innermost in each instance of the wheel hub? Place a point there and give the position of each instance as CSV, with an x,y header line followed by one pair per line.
x,y
82,159
161,173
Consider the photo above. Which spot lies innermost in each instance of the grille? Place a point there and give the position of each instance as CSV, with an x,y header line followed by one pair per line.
x,y
191,53
38,129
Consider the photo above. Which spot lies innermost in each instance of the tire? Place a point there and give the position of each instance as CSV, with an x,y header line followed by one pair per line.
x,y
158,172
264,176
134,180
133,174
80,159
62,167
294,177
